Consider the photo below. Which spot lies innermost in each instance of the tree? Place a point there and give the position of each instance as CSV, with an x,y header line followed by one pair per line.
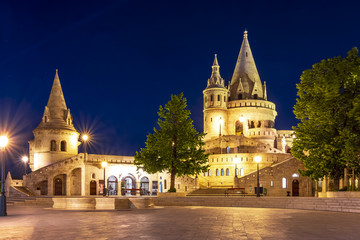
x,y
328,107
176,147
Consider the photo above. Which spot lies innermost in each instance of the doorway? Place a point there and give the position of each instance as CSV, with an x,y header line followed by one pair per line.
x,y
93,187
58,186
295,188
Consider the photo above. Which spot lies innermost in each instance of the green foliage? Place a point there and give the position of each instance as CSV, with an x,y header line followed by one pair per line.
x,y
172,190
328,107
175,147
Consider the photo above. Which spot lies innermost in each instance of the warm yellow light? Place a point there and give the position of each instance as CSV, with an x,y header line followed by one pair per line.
x,y
221,121
294,136
3,141
25,158
104,164
257,159
85,137
236,160
242,119
74,139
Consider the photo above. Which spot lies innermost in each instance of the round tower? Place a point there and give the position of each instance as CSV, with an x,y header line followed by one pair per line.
x,y
249,112
215,101
55,138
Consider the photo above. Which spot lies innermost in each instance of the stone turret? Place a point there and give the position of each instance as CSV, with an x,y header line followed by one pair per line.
x,y
215,101
55,138
245,82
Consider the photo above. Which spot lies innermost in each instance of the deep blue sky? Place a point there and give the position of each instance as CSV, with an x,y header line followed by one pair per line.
x,y
119,60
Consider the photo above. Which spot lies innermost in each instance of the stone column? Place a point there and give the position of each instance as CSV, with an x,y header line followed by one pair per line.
x,y
83,177
50,186
67,188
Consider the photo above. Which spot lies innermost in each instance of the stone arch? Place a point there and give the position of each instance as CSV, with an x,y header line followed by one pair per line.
x,y
42,187
52,145
112,185
145,185
239,128
240,96
92,187
128,182
60,185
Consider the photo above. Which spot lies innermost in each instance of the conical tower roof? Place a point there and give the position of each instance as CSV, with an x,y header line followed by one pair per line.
x,y
56,114
215,81
245,82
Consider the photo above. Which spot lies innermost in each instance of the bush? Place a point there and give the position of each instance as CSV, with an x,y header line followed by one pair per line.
x,y
343,189
172,190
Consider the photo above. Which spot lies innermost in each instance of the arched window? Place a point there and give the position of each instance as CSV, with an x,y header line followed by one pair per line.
x,y
209,173
217,172
219,98
211,98
227,172
93,175
236,171
240,96
45,119
224,98
165,184
205,174
284,183
227,149
63,146
252,125
242,172
255,96
246,54
53,145
222,172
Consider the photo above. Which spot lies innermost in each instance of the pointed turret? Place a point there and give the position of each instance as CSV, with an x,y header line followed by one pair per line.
x,y
215,81
56,114
246,83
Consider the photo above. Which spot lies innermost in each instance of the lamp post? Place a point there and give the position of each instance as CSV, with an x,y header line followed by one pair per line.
x,y
3,142
25,160
85,137
258,160
104,165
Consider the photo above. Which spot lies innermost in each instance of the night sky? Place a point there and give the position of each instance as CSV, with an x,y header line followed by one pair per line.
x,y
119,61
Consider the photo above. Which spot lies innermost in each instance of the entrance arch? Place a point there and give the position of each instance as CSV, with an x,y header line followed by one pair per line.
x,y
144,185
93,187
58,190
128,182
239,128
295,188
112,185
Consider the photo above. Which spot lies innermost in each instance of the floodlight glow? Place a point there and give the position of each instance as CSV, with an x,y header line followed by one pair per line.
x,y
25,158
257,159
3,141
104,164
85,137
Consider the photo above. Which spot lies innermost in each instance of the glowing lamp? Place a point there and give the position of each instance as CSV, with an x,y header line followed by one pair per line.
x,y
104,164
85,137
242,119
25,159
3,141
257,159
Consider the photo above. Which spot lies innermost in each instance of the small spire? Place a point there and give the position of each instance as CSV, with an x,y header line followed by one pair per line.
x,y
215,61
245,33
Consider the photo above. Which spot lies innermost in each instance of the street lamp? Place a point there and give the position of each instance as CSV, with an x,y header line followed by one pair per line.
x,y
104,165
3,142
85,137
258,160
25,160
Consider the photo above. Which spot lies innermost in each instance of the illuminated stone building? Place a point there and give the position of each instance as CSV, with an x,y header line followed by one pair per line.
x,y
240,124
59,169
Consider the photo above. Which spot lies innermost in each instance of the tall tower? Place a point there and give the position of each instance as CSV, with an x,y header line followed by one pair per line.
x,y
215,100
55,138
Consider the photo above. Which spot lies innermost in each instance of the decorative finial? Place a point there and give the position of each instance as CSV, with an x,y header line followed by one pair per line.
x,y
245,33
215,61
56,70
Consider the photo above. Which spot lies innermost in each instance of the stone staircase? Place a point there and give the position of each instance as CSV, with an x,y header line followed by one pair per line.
x,y
306,203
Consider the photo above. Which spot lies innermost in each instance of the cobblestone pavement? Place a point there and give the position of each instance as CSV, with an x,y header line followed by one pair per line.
x,y
24,222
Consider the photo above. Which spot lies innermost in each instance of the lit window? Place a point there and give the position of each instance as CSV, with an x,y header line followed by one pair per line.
x,y
242,172
237,172
205,174
295,175
217,172
63,146
209,173
284,183
222,172
227,149
271,183
227,172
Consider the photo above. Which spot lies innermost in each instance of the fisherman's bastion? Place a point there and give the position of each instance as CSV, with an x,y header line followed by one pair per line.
x,y
239,123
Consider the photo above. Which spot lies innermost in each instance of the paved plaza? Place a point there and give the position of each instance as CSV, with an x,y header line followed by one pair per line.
x,y
26,222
